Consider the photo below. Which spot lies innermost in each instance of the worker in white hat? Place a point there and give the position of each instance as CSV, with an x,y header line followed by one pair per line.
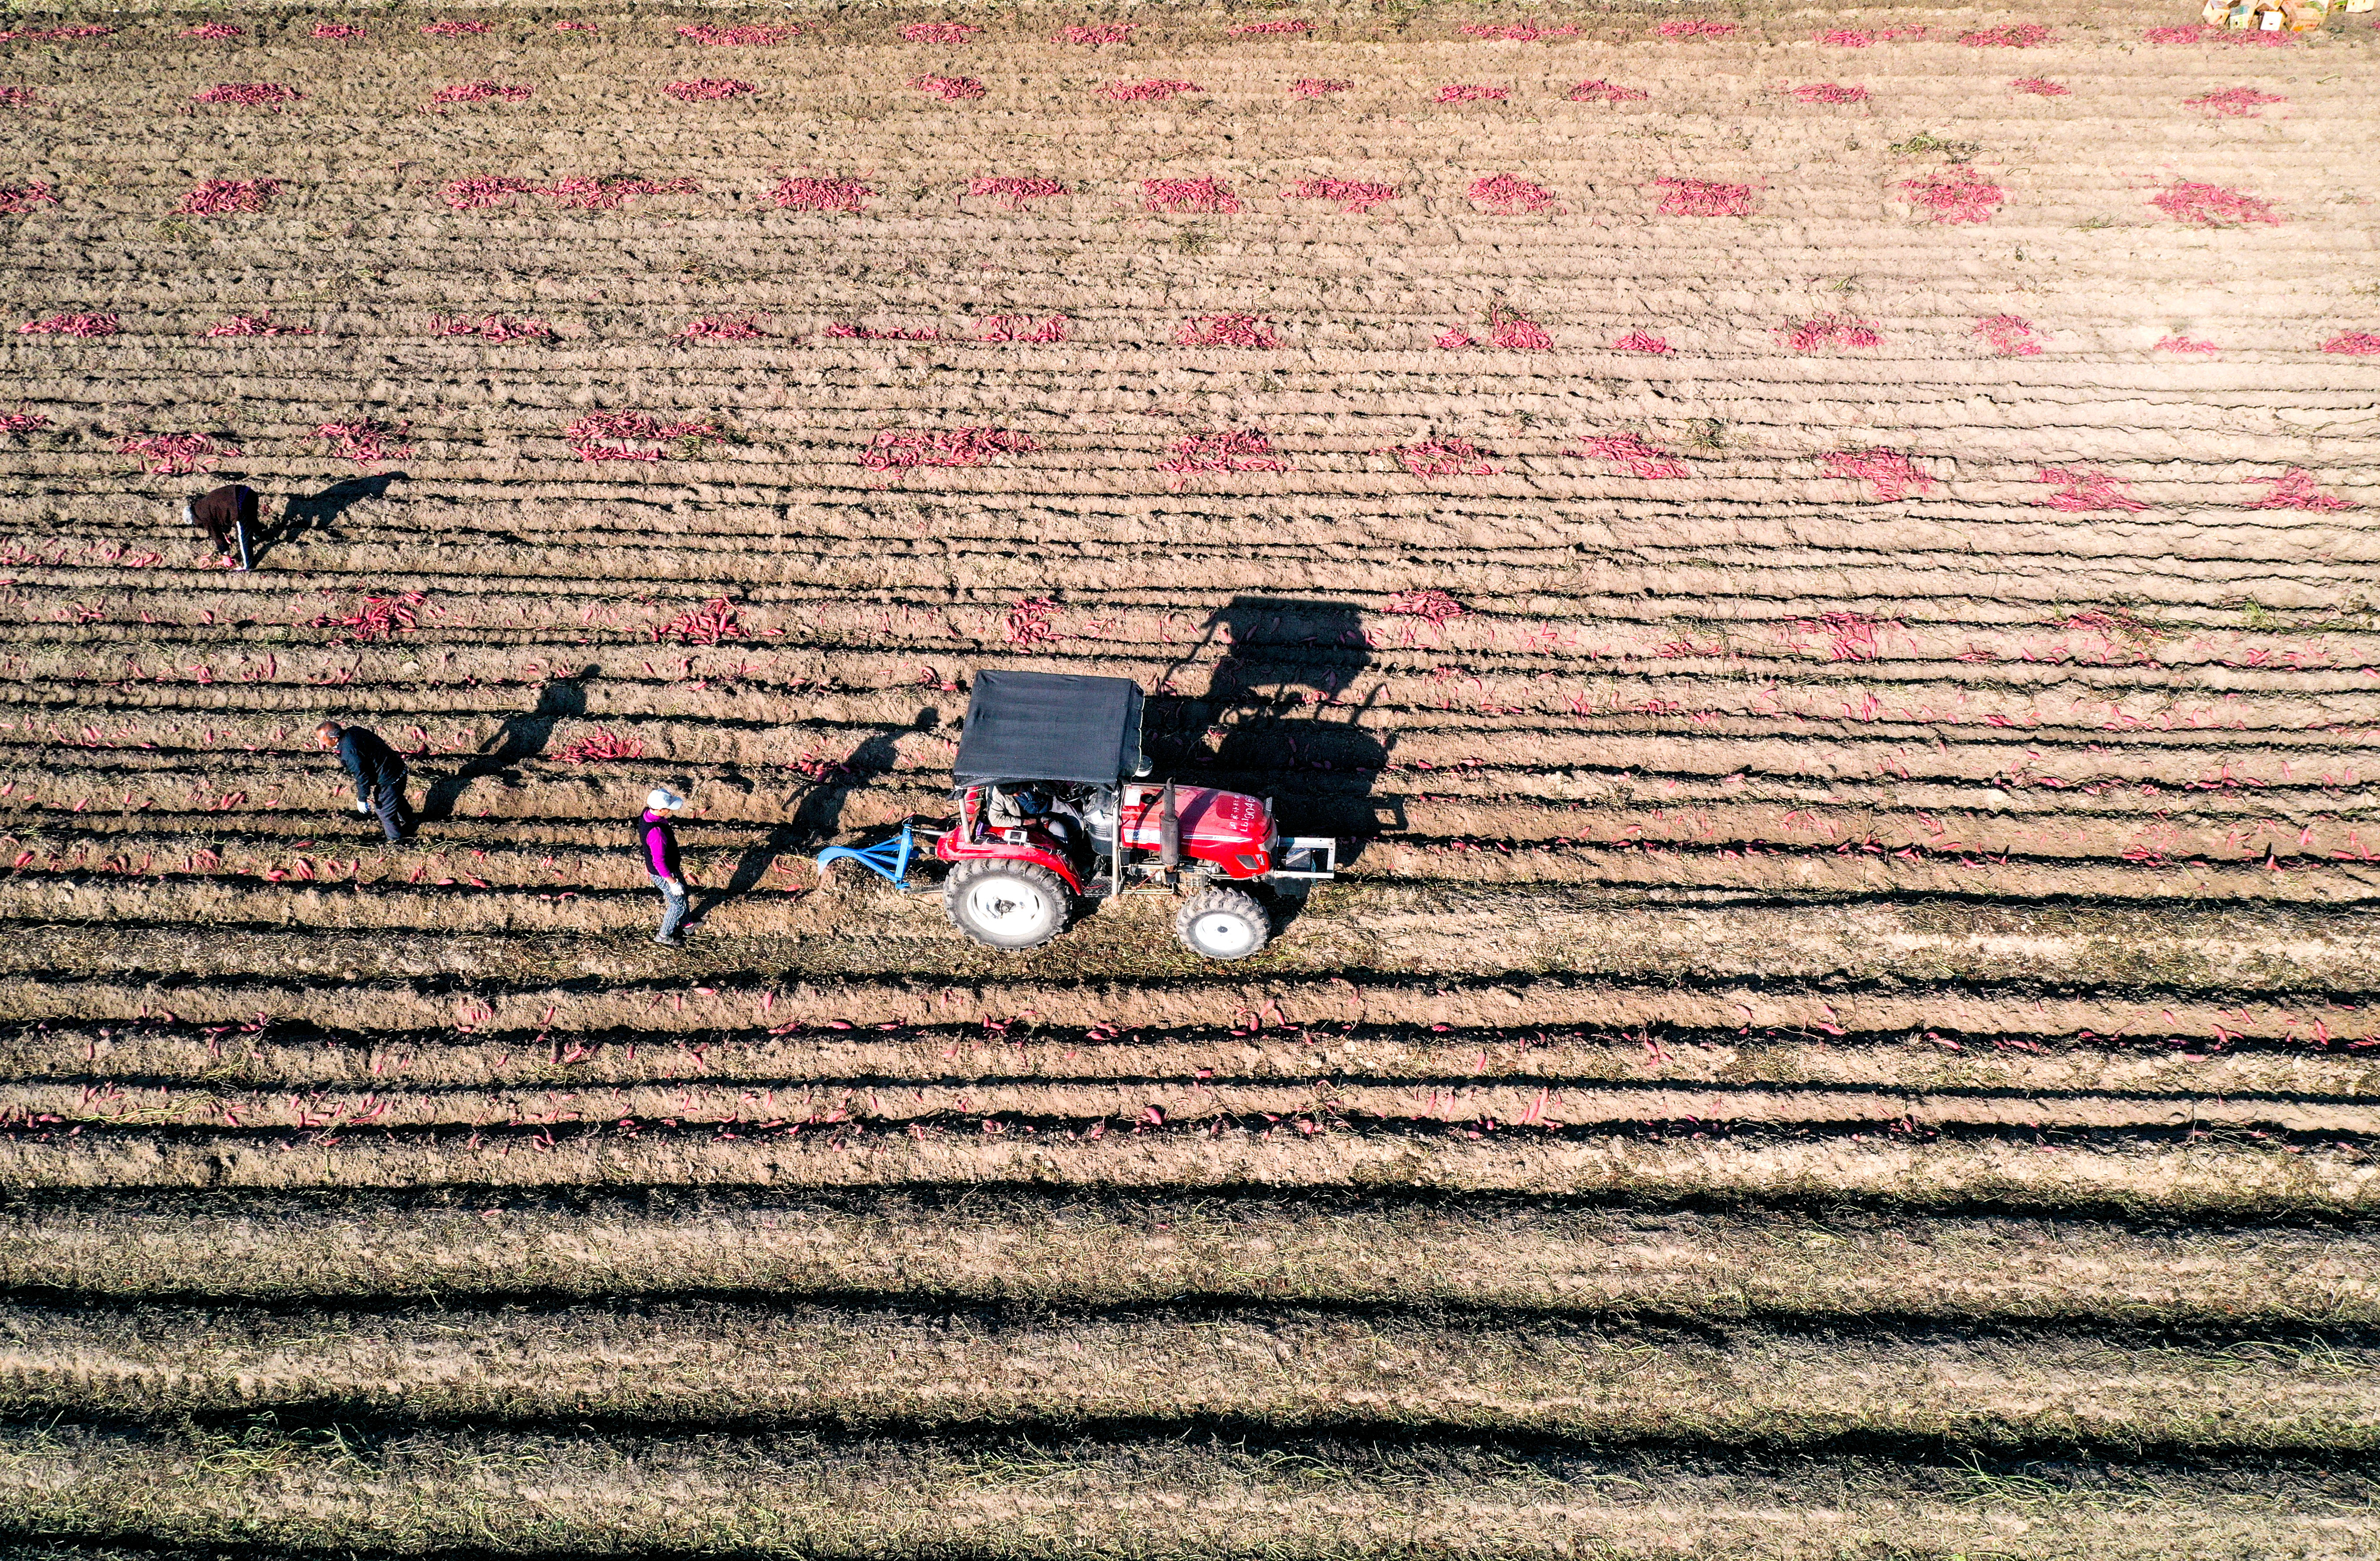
x,y
660,851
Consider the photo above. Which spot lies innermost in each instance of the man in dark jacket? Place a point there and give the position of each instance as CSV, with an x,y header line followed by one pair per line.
x,y
657,847
379,775
228,518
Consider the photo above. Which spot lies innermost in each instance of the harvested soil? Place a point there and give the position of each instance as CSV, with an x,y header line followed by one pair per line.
x,y
1834,630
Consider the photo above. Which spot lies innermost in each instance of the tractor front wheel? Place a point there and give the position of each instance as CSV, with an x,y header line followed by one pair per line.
x,y
1010,905
1223,924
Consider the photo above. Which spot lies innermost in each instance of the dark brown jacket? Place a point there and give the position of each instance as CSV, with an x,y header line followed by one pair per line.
x,y
215,513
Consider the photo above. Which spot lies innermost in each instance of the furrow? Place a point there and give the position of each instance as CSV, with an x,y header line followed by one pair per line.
x,y
1027,1249
2179,1177
794,1495
1281,1369
762,1109
135,1074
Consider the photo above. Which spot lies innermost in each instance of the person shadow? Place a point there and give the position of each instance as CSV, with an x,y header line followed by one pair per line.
x,y
816,816
1284,718
320,512
521,738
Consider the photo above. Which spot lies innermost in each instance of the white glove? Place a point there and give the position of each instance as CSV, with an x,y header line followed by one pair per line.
x,y
361,806
677,885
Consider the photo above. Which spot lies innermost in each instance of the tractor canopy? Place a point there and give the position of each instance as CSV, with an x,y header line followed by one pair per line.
x,y
1049,726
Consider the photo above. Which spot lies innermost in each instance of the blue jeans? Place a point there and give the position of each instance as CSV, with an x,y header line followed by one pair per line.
x,y
672,903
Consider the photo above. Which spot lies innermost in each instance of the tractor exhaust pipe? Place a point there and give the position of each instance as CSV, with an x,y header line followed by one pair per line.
x,y
1169,835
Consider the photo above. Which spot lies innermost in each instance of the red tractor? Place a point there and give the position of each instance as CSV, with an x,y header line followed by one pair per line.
x,y
1054,807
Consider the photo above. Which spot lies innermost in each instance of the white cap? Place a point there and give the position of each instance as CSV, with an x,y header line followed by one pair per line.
x,y
661,799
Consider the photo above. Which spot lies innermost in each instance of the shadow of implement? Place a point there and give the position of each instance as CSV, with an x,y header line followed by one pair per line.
x,y
521,738
818,814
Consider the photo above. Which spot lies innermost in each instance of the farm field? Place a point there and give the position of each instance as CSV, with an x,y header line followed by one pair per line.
x,y
1818,562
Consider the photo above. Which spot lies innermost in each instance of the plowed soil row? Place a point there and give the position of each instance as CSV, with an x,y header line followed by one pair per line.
x,y
2183,1176
2188,764
1381,957
2037,581
1287,1372
814,649
1550,843
1732,367
1500,676
67,650
798,1496
598,905
100,1060
823,464
1970,775
2322,737
128,796
1290,1001
1449,1099
505,510
985,1247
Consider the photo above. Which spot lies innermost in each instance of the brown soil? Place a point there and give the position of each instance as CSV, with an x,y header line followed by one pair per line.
x,y
1880,972
802,1495
1296,1371
987,1246
2196,1179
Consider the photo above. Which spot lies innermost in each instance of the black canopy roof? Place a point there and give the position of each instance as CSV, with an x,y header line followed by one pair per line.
x,y
1049,726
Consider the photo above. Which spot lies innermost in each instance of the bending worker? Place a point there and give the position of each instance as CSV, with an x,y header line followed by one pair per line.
x,y
228,518
379,775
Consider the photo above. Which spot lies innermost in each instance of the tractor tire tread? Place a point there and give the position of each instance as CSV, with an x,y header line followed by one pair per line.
x,y
1236,901
954,885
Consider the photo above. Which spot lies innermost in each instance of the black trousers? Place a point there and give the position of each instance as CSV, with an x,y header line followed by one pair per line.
x,y
395,818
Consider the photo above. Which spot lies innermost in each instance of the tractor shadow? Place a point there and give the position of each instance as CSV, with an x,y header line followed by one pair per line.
x,y
1283,716
320,512
817,817
521,738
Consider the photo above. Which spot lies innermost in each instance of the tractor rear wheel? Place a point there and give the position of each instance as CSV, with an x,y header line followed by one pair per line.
x,y
1010,905
1223,924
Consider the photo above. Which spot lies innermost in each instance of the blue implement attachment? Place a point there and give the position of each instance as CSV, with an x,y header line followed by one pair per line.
x,y
888,859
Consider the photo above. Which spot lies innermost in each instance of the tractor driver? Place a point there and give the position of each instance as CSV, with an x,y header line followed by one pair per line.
x,y
1054,813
